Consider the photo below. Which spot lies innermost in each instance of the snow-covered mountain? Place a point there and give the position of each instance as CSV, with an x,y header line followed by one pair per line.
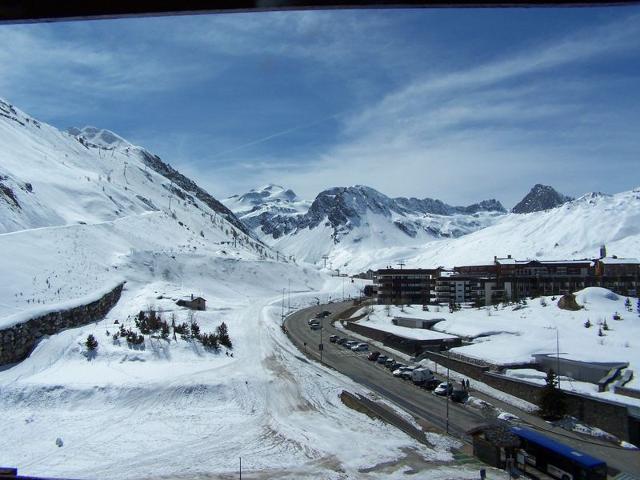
x,y
354,219
541,197
359,228
573,230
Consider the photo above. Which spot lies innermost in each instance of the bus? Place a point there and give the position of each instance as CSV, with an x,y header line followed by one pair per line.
x,y
541,454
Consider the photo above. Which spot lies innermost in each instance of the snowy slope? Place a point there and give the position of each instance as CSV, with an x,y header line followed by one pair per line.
x,y
52,178
574,230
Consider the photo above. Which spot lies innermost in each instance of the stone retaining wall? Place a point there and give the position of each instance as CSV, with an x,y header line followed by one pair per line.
x,y
17,342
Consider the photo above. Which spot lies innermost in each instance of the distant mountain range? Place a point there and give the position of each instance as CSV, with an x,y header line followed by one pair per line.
x,y
358,227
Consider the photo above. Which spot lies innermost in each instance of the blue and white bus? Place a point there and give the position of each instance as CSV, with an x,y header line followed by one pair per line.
x,y
555,459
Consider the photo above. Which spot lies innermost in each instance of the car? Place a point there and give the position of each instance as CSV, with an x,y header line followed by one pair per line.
x,y
342,341
312,320
406,373
323,314
350,343
360,347
444,389
315,326
373,356
334,338
390,362
421,375
398,371
430,384
459,396
382,359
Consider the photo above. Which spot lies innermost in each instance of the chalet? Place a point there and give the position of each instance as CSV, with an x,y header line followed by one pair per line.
x,y
194,303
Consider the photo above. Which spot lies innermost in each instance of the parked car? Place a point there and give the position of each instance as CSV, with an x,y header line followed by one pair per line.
x,y
406,373
373,356
360,347
398,371
382,359
444,389
459,396
421,375
350,343
390,362
430,384
342,341
334,338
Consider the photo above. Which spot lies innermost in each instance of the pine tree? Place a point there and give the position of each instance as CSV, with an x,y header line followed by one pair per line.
x,y
91,343
627,303
195,329
551,400
165,330
223,336
600,334
587,324
605,327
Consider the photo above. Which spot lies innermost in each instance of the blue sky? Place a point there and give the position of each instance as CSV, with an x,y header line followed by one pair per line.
x,y
460,105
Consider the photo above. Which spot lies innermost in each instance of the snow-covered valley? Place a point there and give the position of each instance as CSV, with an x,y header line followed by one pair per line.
x,y
83,211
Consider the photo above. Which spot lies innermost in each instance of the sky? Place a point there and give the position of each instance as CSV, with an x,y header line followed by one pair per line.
x,y
460,104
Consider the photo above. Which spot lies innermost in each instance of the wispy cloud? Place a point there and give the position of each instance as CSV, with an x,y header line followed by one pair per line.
x,y
496,127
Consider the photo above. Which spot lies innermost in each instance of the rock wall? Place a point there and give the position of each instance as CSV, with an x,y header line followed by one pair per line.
x,y
17,342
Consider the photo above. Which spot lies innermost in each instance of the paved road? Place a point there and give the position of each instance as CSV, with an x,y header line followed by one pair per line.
x,y
418,402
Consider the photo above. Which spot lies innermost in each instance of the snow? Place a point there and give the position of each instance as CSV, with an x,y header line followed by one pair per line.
x,y
510,334
379,320
169,407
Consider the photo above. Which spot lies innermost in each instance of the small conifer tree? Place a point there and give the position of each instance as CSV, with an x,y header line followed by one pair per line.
x,y
91,343
552,404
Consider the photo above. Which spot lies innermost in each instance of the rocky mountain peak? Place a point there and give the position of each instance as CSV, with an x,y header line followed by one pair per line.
x,y
541,197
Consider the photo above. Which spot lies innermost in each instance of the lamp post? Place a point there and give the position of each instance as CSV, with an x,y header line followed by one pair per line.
x,y
447,389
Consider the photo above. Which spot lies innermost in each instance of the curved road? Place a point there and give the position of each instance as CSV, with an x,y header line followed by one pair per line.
x,y
419,402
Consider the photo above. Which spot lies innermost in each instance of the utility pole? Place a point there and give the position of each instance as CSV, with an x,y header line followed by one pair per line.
x,y
282,309
558,356
325,258
240,468
401,264
289,298
321,346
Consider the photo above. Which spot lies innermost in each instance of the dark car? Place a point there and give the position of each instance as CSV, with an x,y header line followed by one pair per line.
x,y
342,341
459,396
382,359
430,384
373,356
323,314
334,338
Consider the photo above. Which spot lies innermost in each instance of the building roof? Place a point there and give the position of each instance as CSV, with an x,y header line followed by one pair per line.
x,y
619,261
555,446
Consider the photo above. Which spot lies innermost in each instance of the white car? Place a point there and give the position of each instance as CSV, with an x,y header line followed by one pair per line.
x,y
399,371
360,347
444,389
